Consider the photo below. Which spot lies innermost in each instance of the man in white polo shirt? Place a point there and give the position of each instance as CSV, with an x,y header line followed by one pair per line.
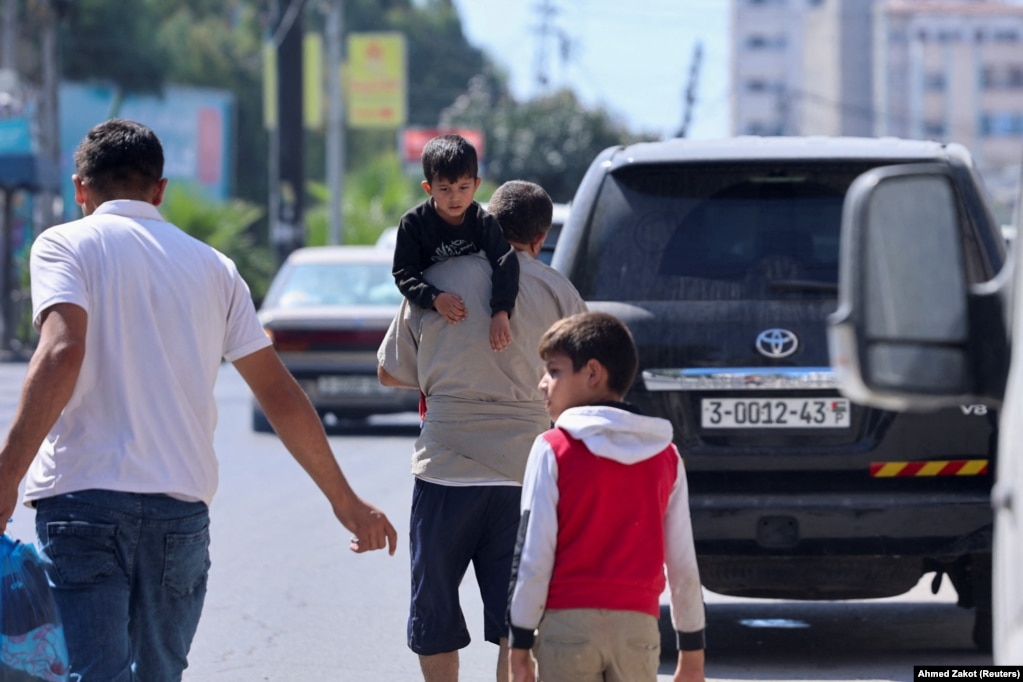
x,y
117,414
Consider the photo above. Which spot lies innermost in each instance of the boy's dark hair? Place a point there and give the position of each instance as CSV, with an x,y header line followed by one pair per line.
x,y
524,210
119,156
449,157
595,336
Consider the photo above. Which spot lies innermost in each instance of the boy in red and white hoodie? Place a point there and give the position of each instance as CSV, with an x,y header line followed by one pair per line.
x,y
605,510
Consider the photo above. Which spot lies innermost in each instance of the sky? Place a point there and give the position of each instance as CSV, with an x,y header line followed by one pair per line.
x,y
632,58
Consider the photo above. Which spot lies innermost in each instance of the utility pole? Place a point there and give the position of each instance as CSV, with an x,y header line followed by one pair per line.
x,y
9,34
287,175
8,69
547,12
690,92
49,112
335,121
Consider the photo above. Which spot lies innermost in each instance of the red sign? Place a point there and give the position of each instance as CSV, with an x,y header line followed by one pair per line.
x,y
414,139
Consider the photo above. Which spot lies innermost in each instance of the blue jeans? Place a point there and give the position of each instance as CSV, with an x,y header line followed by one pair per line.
x,y
129,575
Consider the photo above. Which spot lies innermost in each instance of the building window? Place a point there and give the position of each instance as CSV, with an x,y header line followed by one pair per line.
x,y
1002,77
762,42
1015,80
935,129
764,129
934,81
765,87
1001,124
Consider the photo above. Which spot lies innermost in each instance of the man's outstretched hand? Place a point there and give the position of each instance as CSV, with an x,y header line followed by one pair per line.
x,y
371,530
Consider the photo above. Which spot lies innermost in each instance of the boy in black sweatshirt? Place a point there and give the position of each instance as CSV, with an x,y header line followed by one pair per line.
x,y
451,223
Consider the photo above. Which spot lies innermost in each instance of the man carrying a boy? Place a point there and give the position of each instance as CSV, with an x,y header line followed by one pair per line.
x,y
605,508
451,223
483,412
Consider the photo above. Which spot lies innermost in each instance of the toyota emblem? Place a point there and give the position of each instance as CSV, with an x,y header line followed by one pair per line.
x,y
776,343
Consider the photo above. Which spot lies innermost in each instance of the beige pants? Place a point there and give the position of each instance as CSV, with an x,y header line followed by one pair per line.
x,y
597,645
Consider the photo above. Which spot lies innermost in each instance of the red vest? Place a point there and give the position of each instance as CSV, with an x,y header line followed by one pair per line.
x,y
610,546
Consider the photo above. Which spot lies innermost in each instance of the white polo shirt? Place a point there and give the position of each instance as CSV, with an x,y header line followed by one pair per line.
x,y
164,309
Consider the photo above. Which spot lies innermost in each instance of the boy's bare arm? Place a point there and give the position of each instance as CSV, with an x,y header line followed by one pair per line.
x,y
520,666
689,667
500,331
450,306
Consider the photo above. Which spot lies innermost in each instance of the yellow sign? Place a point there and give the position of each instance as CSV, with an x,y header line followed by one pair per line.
x,y
312,81
377,92
269,86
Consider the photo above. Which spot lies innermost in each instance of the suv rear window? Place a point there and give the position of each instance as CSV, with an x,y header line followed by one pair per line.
x,y
716,231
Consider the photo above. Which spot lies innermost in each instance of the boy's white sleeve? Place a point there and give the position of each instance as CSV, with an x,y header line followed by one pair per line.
x,y
534,550
687,612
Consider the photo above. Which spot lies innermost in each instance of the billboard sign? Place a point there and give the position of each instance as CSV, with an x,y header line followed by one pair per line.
x,y
376,76
195,125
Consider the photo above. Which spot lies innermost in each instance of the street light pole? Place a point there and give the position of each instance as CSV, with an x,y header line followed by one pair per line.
x,y
335,122
287,231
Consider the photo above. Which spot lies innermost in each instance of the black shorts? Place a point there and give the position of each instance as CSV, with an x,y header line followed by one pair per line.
x,y
451,527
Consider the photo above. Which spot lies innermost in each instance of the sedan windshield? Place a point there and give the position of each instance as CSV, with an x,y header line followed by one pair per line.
x,y
305,285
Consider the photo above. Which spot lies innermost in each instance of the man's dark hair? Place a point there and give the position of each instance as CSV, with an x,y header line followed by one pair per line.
x,y
119,156
524,210
595,336
449,157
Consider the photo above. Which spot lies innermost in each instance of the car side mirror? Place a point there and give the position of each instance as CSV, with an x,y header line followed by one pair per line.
x,y
901,336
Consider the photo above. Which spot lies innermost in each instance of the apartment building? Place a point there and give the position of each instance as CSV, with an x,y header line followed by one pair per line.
x,y
767,65
952,71
935,69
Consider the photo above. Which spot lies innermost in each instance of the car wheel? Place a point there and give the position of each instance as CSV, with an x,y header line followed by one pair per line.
x,y
260,424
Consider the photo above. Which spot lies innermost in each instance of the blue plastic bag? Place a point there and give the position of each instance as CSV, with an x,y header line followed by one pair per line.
x,y
32,645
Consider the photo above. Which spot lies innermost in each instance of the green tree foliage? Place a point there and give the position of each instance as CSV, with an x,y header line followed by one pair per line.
x,y
441,62
102,41
374,199
142,45
549,140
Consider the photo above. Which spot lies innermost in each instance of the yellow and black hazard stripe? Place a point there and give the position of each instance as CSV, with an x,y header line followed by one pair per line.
x,y
946,467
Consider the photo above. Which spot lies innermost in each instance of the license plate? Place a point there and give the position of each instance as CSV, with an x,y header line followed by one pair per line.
x,y
776,413
340,385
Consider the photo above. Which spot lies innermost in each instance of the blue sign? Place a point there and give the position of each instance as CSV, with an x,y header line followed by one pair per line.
x,y
15,136
195,125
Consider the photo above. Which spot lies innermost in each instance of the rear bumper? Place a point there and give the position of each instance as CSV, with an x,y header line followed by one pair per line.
x,y
354,392
835,547
938,524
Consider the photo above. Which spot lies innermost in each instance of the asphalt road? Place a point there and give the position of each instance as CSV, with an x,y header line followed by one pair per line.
x,y
288,601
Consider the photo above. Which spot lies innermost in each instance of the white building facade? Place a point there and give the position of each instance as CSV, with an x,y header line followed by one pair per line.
x,y
948,70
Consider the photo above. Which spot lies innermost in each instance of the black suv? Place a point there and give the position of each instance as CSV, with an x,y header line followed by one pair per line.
x,y
722,258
